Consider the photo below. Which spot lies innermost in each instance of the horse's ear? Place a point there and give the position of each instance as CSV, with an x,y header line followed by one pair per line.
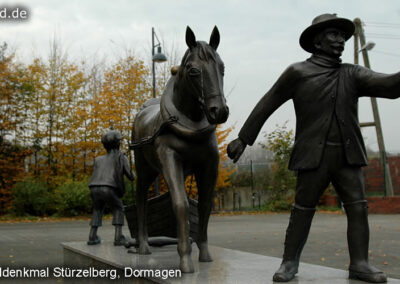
x,y
214,38
190,38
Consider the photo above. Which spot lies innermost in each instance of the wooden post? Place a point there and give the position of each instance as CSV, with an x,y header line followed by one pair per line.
x,y
377,121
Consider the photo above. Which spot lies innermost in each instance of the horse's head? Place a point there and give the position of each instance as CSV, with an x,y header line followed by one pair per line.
x,y
202,70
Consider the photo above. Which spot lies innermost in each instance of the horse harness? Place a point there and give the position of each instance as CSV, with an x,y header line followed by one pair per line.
x,y
150,139
171,120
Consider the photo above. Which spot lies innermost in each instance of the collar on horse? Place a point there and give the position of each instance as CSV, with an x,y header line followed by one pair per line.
x,y
183,126
175,121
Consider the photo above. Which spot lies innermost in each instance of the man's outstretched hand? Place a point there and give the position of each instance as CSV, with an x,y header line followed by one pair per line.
x,y
236,149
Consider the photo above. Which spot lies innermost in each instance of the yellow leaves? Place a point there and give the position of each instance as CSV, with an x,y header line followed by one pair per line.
x,y
60,109
124,89
224,171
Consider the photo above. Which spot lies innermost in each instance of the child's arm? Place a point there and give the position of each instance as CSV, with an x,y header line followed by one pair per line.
x,y
127,168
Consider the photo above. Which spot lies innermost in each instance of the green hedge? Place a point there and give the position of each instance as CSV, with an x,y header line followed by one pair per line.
x,y
32,197
71,198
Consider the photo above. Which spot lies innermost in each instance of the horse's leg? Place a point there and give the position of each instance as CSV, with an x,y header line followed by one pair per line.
x,y
206,178
145,176
173,174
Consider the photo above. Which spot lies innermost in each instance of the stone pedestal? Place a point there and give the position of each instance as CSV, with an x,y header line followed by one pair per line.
x,y
229,266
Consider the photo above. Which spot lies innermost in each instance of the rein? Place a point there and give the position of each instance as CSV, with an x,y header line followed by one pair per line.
x,y
150,139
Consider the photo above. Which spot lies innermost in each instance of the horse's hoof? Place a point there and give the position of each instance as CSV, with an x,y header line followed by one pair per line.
x,y
204,254
186,264
144,249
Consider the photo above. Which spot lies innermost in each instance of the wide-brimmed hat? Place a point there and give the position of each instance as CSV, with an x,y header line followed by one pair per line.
x,y
322,22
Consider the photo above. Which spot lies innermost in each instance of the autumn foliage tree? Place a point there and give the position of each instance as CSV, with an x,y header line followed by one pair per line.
x,y
12,154
124,90
53,112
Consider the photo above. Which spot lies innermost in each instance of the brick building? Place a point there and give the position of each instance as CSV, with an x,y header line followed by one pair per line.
x,y
373,174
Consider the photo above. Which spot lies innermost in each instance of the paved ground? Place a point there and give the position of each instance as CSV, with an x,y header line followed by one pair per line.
x,y
38,244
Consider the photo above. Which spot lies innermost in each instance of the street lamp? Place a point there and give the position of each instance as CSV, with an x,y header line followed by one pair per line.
x,y
368,46
158,57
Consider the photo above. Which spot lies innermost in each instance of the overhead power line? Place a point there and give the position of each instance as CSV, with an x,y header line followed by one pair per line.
x,y
386,53
383,36
379,34
382,25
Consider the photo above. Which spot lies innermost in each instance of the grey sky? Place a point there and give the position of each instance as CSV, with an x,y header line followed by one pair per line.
x,y
259,39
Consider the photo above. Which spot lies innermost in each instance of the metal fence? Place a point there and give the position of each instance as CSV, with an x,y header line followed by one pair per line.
x,y
249,187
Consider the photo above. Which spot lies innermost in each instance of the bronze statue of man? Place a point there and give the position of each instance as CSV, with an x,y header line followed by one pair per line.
x,y
107,186
328,147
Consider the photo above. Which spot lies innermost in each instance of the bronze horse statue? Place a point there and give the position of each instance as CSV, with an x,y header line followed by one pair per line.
x,y
175,136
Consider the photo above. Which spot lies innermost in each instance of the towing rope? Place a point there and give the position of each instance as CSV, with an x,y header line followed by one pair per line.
x,y
150,139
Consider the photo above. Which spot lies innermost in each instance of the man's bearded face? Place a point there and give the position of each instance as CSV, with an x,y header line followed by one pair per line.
x,y
330,42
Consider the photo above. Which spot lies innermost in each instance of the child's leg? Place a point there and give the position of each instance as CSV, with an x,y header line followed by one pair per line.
x,y
118,219
94,239
98,207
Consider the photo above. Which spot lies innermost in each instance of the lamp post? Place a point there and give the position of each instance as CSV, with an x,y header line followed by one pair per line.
x,y
365,47
156,57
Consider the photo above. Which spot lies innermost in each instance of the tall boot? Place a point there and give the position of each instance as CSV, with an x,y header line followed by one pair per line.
x,y
296,237
119,239
358,242
94,239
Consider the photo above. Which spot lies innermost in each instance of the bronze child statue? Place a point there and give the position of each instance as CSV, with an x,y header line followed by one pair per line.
x,y
328,147
107,187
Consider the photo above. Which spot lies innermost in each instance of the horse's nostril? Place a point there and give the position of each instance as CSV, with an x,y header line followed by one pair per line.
x,y
224,114
213,111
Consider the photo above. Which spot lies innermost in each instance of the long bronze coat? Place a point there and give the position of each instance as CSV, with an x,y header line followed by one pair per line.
x,y
320,87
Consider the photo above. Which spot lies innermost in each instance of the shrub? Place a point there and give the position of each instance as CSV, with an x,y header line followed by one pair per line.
x,y
241,178
129,196
32,197
283,181
72,198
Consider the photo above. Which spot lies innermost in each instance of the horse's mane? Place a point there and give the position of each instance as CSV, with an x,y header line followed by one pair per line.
x,y
203,51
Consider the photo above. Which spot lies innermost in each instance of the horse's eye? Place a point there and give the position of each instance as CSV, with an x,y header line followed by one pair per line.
x,y
194,71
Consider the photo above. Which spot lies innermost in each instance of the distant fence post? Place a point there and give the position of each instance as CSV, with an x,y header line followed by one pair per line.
x,y
251,176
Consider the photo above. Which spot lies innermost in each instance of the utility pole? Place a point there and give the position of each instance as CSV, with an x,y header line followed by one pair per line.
x,y
359,34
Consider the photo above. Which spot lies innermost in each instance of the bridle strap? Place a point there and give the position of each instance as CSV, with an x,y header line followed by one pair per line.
x,y
202,99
